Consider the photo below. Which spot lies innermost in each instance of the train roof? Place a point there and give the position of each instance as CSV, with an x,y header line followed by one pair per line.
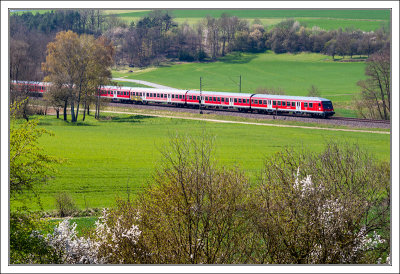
x,y
220,93
287,97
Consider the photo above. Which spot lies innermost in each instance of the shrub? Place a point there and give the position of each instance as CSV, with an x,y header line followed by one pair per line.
x,y
183,55
65,204
118,236
70,248
27,245
323,208
195,211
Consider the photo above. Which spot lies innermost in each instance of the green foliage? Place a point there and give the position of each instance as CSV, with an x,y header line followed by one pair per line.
x,y
29,164
27,245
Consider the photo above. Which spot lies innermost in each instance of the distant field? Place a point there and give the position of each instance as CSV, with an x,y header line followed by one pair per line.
x,y
294,73
32,11
117,156
272,13
366,20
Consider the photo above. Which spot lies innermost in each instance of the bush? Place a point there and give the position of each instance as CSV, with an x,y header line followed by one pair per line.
x,y
201,55
65,204
27,245
195,211
323,208
183,55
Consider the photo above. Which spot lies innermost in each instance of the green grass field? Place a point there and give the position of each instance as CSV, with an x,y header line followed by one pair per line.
x,y
366,20
115,156
294,73
131,84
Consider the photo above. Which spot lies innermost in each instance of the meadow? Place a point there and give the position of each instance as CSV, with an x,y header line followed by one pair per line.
x,y
117,155
294,73
366,20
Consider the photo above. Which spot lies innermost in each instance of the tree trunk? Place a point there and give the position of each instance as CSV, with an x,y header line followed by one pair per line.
x,y
223,47
84,112
65,110
77,105
58,113
73,118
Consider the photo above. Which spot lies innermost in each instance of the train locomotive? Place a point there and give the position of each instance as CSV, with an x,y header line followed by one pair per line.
x,y
244,102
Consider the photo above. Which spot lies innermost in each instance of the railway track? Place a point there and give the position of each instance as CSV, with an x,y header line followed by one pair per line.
x,y
360,120
340,121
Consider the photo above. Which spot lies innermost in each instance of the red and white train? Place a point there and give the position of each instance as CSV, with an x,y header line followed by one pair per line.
x,y
263,103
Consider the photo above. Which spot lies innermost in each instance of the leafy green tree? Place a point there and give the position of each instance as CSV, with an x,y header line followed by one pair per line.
x,y
29,165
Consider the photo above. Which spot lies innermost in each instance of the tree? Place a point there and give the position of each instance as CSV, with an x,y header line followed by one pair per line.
x,y
314,91
331,48
376,89
194,212
79,65
29,165
57,97
61,63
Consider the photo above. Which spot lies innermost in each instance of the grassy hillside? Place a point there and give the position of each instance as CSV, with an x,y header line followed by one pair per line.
x,y
366,20
111,157
295,73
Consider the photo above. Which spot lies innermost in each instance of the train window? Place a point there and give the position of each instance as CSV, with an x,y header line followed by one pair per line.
x,y
265,102
310,105
240,100
147,94
158,95
319,104
206,98
279,103
219,99
274,103
235,100
180,97
222,99
214,99
283,103
293,104
198,98
305,104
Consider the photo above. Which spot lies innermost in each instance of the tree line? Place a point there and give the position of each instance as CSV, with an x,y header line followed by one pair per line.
x,y
157,37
